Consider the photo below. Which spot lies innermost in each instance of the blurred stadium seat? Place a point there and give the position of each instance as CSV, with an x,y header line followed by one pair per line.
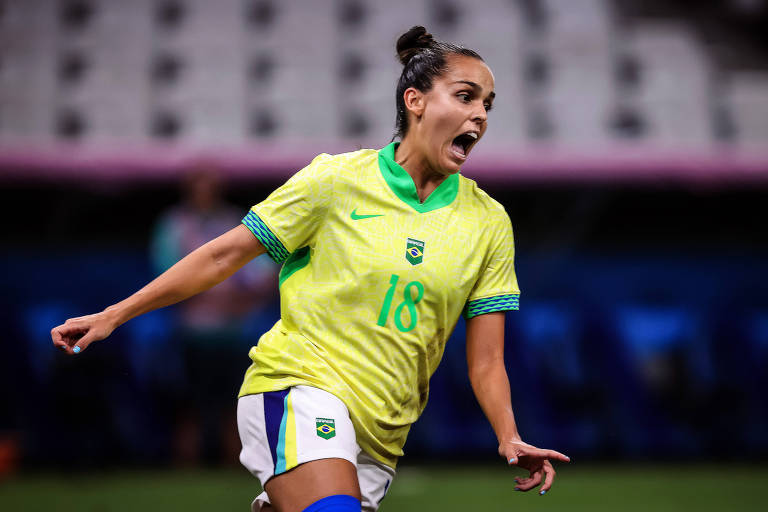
x,y
673,93
571,73
575,46
746,98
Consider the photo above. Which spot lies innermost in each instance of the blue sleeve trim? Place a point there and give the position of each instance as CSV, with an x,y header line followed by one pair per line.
x,y
274,246
510,302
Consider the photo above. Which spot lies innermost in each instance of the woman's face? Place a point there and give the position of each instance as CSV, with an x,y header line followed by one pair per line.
x,y
455,113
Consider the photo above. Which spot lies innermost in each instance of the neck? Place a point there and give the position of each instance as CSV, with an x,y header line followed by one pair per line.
x,y
414,161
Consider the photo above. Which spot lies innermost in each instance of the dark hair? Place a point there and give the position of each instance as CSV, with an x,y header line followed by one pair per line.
x,y
423,59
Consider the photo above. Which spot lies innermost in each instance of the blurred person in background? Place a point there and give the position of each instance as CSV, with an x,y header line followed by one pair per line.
x,y
211,326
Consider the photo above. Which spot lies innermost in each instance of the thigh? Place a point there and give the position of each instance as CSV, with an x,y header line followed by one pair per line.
x,y
309,482
300,443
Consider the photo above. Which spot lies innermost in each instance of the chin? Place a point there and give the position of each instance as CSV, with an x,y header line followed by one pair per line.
x,y
450,166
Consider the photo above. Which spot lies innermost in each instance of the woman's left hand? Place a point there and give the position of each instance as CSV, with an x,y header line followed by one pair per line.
x,y
535,460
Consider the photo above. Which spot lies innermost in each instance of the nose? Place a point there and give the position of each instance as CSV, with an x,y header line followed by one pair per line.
x,y
480,115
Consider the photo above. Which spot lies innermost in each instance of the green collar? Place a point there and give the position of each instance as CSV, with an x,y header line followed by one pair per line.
x,y
403,186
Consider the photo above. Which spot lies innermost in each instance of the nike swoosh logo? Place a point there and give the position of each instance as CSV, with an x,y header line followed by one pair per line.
x,y
355,216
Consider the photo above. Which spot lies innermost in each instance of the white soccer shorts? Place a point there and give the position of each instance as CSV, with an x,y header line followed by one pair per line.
x,y
281,429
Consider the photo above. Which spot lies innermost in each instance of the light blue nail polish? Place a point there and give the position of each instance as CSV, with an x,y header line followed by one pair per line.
x,y
542,493
512,460
76,350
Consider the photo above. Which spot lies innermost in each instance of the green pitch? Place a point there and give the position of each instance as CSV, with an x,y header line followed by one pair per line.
x,y
585,488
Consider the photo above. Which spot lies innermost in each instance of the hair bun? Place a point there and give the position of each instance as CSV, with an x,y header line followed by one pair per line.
x,y
410,43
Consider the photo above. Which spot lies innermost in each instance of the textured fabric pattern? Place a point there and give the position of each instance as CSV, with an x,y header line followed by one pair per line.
x,y
363,319
274,246
492,304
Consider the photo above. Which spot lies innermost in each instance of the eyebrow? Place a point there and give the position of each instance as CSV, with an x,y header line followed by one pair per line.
x,y
491,96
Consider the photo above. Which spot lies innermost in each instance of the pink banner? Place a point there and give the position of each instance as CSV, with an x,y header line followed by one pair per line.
x,y
275,162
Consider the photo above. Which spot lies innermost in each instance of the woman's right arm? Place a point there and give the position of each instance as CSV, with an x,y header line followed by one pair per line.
x,y
200,270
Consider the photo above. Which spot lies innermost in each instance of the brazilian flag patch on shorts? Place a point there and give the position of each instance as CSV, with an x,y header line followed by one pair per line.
x,y
326,428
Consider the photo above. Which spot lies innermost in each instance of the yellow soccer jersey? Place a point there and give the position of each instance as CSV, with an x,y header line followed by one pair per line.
x,y
373,283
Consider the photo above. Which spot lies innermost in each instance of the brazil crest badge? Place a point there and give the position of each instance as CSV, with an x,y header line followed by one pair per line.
x,y
414,251
326,427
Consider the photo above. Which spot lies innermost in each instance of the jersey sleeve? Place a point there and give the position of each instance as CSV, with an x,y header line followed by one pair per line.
x,y
496,289
288,219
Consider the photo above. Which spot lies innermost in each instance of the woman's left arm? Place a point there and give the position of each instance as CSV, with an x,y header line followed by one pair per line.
x,y
488,375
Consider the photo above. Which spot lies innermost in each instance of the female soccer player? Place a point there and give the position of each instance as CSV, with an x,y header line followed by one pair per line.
x,y
381,251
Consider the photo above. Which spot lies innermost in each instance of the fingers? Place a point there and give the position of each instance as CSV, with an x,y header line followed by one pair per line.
x,y
553,455
546,454
546,473
64,336
69,328
523,481
526,484
549,473
58,340
536,461
69,336
516,449
512,452
83,342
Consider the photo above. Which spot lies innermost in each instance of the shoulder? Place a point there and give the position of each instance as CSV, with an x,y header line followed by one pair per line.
x,y
480,203
353,163
338,165
346,160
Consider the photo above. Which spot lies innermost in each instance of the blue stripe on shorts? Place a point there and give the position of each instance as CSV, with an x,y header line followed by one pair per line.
x,y
274,408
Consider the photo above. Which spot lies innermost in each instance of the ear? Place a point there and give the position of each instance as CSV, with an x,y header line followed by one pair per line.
x,y
414,101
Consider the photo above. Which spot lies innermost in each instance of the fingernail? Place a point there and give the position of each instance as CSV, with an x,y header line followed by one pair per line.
x,y
76,350
542,493
517,488
512,460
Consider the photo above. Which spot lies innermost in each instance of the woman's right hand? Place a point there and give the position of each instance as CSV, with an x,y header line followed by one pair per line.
x,y
74,335
198,271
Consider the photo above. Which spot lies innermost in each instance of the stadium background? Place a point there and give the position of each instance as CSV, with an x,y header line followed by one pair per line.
x,y
629,144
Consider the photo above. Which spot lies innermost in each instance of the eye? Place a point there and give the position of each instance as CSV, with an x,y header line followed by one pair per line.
x,y
465,97
488,107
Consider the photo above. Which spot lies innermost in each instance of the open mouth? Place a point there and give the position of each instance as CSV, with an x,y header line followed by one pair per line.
x,y
462,144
